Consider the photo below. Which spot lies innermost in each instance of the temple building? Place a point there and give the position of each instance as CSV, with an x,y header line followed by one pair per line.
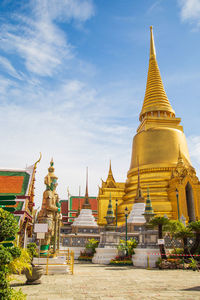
x,y
109,188
20,184
160,149
75,205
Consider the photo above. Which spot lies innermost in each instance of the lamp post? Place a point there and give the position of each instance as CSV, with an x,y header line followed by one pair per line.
x,y
177,197
126,216
116,203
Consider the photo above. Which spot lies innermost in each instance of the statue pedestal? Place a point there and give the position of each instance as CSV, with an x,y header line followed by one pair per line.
x,y
147,248
103,256
140,258
107,249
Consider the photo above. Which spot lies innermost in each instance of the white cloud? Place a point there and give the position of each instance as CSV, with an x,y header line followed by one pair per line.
x,y
70,123
62,116
190,11
64,10
4,62
38,40
194,147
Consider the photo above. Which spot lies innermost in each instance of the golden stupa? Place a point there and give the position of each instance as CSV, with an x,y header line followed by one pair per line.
x,y
161,149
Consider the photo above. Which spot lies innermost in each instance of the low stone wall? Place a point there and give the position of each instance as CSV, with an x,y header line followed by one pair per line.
x,y
81,239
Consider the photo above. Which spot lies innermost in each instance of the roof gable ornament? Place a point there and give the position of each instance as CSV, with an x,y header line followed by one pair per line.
x,y
110,181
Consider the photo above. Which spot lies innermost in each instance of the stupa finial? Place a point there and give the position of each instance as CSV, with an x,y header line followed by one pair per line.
x,y
86,204
152,44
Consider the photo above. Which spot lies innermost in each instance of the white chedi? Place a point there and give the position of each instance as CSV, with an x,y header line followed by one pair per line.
x,y
85,219
136,214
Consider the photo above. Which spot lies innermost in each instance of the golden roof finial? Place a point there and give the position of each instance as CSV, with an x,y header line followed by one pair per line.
x,y
38,159
110,174
155,99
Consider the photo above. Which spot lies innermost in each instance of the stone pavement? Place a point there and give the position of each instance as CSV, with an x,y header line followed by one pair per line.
x,y
109,282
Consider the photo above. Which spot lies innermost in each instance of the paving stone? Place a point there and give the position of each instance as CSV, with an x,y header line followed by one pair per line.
x,y
104,283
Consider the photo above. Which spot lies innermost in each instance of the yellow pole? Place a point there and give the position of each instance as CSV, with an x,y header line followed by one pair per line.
x,y
72,262
67,256
47,266
148,267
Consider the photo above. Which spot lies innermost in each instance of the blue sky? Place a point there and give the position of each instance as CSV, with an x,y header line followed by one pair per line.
x,y
73,76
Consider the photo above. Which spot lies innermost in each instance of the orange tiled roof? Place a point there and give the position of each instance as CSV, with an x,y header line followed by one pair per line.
x,y
11,184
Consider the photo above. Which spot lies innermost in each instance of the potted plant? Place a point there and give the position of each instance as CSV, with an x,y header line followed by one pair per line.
x,y
91,245
126,248
33,276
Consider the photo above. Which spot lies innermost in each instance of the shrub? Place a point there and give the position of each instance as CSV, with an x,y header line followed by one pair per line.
x,y
5,259
92,244
176,251
8,225
121,262
85,258
129,248
5,256
8,230
18,295
193,264
15,252
31,248
20,263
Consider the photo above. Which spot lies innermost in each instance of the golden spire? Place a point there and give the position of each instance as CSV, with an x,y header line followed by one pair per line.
x,y
110,174
110,181
155,96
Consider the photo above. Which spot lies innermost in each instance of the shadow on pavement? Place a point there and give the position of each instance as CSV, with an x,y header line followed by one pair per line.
x,y
17,284
195,288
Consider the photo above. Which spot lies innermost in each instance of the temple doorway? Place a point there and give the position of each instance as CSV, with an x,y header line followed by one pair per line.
x,y
190,202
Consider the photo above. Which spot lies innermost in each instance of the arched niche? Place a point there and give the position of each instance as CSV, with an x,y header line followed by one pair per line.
x,y
190,202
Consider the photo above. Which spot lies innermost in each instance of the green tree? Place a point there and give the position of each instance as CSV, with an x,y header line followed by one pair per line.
x,y
171,228
160,222
8,225
195,227
183,234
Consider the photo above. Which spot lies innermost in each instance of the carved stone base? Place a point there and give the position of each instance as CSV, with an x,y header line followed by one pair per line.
x,y
140,258
103,256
